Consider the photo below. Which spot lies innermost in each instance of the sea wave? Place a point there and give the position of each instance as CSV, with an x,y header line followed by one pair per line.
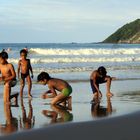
x,y
85,69
82,51
79,59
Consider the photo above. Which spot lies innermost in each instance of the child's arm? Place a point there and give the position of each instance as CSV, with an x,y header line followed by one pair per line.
x,y
52,90
49,94
18,70
13,74
94,82
30,68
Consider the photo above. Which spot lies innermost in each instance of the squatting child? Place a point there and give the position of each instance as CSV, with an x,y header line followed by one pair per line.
x,y
55,85
8,77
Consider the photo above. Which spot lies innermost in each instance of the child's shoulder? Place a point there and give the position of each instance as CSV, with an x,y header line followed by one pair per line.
x,y
53,80
10,65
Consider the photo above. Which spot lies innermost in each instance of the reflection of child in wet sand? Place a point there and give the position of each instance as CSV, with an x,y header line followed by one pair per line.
x,y
98,77
59,114
25,66
11,124
8,76
55,85
100,111
27,122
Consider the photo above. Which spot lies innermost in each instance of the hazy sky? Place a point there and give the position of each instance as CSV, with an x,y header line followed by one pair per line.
x,y
64,20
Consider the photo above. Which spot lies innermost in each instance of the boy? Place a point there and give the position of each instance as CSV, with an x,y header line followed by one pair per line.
x,y
25,66
8,76
98,77
55,84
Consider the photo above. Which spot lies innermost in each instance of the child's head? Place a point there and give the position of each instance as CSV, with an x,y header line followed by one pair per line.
x,y
43,78
3,57
23,53
102,71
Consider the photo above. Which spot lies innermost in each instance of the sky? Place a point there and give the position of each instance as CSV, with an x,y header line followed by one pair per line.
x,y
63,21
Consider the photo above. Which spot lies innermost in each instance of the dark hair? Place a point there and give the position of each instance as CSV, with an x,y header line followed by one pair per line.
x,y
23,51
42,76
4,55
102,71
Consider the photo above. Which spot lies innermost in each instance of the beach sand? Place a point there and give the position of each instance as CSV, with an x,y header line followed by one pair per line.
x,y
85,120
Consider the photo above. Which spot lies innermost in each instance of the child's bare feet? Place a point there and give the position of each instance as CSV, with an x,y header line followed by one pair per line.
x,y
109,94
100,95
30,96
97,95
45,112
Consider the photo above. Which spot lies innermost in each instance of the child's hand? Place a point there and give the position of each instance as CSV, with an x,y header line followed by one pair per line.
x,y
1,78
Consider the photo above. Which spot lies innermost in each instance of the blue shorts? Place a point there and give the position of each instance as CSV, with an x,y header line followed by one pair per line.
x,y
99,81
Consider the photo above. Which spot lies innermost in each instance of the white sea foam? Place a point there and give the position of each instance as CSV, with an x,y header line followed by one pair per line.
x,y
89,51
79,59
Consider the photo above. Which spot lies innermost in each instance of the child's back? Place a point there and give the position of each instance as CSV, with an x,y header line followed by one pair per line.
x,y
58,84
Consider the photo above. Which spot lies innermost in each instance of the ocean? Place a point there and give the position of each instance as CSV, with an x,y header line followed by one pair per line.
x,y
75,61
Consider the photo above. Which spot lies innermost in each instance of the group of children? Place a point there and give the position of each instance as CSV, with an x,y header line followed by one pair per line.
x,y
8,76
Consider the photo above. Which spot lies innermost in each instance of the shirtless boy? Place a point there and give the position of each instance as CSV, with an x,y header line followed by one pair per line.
x,y
8,77
98,77
25,66
54,85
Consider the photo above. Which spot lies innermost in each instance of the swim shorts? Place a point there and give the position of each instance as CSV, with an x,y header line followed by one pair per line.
x,y
24,75
67,91
13,82
99,81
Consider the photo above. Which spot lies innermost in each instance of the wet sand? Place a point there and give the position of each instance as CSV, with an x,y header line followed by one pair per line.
x,y
37,113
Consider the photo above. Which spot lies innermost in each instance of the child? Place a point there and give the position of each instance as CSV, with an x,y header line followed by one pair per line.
x,y
98,77
55,84
8,76
25,66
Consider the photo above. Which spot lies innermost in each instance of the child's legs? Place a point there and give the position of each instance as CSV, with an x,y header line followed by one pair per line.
x,y
108,85
58,99
7,92
22,84
94,90
29,85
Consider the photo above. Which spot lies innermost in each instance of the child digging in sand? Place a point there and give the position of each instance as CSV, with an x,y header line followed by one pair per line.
x,y
8,77
98,77
25,66
54,85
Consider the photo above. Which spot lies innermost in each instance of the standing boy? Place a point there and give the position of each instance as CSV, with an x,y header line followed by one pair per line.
x,y
54,85
98,77
25,66
8,76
